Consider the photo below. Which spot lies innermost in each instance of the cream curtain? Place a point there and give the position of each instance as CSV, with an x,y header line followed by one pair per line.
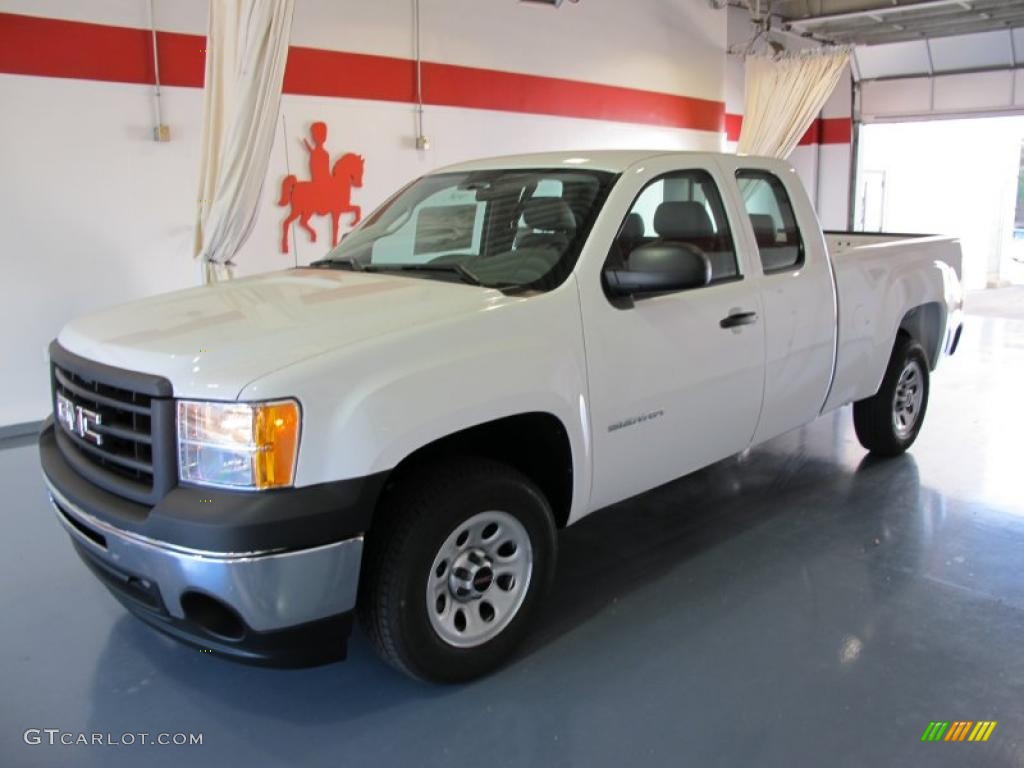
x,y
247,46
783,96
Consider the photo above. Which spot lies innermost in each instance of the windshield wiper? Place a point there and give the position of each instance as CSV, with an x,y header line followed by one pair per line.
x,y
460,270
347,263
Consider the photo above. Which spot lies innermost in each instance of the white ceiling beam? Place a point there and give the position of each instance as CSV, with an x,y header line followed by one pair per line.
x,y
814,21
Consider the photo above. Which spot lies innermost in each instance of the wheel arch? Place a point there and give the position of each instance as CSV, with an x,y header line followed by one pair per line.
x,y
925,324
535,443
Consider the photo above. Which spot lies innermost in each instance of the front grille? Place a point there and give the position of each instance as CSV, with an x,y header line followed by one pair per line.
x,y
125,426
121,431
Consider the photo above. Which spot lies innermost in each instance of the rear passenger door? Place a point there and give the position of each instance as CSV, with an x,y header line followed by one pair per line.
x,y
675,378
783,239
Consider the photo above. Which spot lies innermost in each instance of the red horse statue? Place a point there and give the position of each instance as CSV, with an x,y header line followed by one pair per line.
x,y
330,194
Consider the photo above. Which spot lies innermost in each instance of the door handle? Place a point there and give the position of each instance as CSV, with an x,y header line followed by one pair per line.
x,y
739,318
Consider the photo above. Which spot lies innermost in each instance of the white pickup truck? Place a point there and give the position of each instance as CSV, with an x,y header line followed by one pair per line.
x,y
398,431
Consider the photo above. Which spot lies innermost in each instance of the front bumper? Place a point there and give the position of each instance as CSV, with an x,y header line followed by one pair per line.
x,y
281,606
239,604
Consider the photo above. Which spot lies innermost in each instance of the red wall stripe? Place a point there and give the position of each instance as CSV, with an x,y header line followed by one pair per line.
x,y
182,59
824,130
733,124
316,72
44,47
836,130
56,48
457,86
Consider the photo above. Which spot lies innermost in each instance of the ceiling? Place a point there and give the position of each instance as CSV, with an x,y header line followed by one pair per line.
x,y
874,22
944,55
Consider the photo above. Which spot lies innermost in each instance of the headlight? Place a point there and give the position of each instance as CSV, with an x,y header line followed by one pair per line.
x,y
238,445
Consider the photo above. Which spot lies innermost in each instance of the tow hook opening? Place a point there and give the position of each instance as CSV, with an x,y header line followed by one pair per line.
x,y
212,615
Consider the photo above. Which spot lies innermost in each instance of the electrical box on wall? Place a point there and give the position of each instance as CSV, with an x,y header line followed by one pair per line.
x,y
161,132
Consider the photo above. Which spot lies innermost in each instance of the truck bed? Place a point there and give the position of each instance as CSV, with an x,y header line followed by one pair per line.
x,y
885,281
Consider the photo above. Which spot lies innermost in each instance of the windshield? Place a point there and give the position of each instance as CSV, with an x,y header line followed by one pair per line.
x,y
497,228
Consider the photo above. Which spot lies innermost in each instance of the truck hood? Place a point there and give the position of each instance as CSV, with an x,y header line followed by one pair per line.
x,y
212,341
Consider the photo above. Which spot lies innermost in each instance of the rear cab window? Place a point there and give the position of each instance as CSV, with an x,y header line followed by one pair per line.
x,y
776,232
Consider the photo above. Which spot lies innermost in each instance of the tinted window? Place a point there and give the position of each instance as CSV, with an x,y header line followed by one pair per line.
x,y
773,221
681,207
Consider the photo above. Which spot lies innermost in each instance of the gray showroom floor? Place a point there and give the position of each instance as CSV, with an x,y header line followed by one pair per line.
x,y
797,605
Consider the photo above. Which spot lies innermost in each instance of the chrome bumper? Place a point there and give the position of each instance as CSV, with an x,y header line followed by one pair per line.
x,y
268,590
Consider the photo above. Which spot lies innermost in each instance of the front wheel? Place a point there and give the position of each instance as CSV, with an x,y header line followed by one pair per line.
x,y
455,568
888,423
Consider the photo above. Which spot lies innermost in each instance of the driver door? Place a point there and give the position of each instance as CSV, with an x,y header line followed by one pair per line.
x,y
676,379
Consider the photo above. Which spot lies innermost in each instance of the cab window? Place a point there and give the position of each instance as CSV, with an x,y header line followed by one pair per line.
x,y
683,206
771,216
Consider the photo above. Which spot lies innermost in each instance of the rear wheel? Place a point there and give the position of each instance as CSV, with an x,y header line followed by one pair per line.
x,y
888,423
455,567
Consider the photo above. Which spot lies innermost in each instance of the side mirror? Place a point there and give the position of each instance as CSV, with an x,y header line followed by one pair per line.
x,y
658,268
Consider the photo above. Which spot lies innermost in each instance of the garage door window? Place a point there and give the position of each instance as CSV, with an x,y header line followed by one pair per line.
x,y
771,216
681,207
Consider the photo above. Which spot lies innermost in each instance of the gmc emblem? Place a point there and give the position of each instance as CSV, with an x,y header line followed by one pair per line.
x,y
78,420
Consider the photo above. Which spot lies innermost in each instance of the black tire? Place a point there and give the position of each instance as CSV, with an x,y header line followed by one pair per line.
x,y
417,516
874,418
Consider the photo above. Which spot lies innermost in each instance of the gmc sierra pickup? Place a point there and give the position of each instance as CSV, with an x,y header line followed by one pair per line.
x,y
397,431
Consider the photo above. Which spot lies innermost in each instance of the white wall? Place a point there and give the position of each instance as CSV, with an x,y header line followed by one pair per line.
x,y
101,214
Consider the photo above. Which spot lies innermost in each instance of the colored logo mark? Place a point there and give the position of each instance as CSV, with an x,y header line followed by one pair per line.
x,y
328,191
958,730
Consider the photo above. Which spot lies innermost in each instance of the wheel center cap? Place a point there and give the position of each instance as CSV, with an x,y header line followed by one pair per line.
x,y
471,575
482,579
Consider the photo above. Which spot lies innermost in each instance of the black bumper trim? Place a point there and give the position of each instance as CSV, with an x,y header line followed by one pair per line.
x,y
307,645
217,520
